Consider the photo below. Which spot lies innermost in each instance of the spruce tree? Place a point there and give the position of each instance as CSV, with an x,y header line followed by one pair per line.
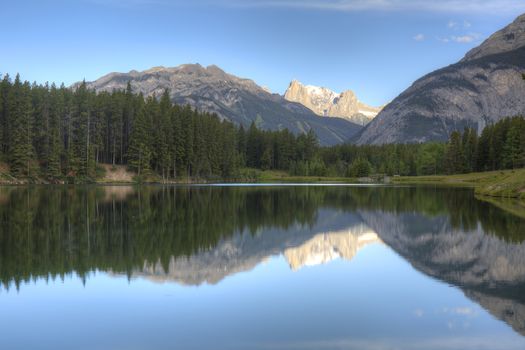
x,y
454,154
139,153
513,155
53,166
188,136
21,143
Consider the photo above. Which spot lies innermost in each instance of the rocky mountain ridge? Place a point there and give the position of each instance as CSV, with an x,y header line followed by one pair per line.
x,y
336,235
482,88
327,103
242,101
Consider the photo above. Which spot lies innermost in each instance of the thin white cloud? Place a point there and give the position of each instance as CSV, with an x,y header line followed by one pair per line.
x,y
455,25
461,311
445,6
419,313
460,39
463,39
419,37
451,342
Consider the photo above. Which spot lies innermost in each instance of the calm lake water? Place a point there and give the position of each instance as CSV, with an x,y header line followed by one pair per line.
x,y
259,267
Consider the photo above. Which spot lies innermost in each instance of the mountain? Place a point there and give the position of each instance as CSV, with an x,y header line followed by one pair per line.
x,y
482,88
325,247
239,100
326,103
336,234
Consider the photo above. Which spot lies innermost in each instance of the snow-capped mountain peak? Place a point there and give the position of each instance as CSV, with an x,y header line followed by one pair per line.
x,y
327,103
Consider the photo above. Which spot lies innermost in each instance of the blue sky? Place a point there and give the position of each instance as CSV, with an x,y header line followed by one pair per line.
x,y
375,47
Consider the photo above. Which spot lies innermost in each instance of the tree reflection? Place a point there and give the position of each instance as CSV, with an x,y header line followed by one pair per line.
x,y
55,231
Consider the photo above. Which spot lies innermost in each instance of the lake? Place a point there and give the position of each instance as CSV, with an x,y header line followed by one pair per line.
x,y
259,267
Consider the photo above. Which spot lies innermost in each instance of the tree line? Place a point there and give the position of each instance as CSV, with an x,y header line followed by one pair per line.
x,y
63,134
500,146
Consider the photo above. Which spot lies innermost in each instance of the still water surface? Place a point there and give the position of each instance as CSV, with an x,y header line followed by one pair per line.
x,y
259,267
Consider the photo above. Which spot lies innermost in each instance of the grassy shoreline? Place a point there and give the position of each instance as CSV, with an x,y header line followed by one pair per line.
x,y
497,184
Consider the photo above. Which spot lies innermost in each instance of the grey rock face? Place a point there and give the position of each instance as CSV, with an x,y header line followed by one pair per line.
x,y
239,100
326,103
509,38
483,88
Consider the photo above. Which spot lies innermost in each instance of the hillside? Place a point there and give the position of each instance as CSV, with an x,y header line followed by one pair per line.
x,y
484,87
242,101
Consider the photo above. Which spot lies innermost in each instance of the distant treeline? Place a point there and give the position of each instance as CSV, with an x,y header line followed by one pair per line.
x,y
500,146
59,134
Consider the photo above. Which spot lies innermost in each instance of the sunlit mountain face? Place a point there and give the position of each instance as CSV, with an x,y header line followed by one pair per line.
x,y
421,257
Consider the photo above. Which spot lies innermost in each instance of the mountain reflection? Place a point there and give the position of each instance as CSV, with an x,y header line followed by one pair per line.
x,y
196,235
301,246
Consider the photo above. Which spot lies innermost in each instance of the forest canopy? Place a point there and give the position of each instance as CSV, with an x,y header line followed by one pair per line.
x,y
63,134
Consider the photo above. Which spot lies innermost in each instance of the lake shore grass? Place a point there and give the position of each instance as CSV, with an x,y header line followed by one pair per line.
x,y
501,183
496,184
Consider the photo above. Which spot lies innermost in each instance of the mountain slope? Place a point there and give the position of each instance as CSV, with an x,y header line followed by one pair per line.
x,y
239,100
482,88
326,103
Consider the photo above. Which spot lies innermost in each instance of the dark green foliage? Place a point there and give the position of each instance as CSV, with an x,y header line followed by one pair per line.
x,y
60,133
502,145
391,159
454,157
360,168
139,153
430,158
21,154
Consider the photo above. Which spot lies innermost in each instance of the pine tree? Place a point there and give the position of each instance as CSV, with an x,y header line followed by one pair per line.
x,y
188,136
454,154
484,149
267,159
2,118
177,142
470,149
21,143
513,155
253,147
53,166
139,153
128,116
83,161
241,145
164,134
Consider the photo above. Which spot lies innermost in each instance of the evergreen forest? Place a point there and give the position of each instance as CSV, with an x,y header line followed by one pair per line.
x,y
63,135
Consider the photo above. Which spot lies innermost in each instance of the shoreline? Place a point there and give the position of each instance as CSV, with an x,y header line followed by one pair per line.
x,y
493,184
508,184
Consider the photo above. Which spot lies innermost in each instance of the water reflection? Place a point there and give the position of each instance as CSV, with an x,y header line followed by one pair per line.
x,y
202,235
